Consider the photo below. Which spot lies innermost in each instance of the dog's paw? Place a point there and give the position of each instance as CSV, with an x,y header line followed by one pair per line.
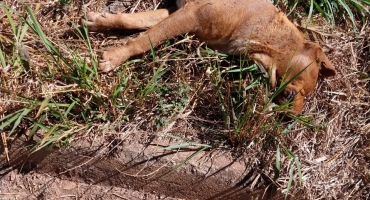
x,y
93,20
105,66
109,60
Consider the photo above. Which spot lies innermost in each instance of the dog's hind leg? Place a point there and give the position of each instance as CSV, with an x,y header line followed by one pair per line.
x,y
180,22
135,21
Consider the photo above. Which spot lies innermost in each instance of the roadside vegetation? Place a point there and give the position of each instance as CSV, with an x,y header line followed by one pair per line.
x,y
51,91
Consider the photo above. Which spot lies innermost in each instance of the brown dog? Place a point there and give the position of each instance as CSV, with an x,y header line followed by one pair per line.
x,y
233,27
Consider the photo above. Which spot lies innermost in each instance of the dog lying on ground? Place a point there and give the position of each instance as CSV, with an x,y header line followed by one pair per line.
x,y
234,27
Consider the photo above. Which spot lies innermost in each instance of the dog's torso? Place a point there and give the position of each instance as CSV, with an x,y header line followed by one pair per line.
x,y
236,27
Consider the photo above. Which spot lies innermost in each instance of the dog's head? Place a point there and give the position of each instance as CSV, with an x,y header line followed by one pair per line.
x,y
301,73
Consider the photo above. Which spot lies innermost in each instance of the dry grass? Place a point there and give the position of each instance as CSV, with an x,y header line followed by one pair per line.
x,y
189,102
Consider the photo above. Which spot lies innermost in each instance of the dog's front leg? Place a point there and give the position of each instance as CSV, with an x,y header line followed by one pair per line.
x,y
178,23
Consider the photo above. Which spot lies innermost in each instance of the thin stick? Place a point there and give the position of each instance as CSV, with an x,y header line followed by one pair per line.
x,y
3,137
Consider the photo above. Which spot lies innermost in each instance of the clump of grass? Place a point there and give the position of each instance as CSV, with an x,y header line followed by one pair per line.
x,y
250,119
353,10
19,56
54,115
246,101
83,101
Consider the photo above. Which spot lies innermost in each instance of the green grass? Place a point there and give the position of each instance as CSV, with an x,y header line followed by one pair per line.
x,y
54,115
19,56
332,10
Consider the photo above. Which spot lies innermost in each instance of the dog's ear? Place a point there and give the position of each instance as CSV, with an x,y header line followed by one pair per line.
x,y
327,69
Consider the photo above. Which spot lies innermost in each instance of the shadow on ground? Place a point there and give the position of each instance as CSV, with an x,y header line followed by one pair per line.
x,y
140,168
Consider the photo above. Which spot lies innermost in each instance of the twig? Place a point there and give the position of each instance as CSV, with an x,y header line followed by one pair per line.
x,y
137,4
3,137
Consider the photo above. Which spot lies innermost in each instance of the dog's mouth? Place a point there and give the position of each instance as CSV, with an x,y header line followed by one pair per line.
x,y
289,97
292,100
286,97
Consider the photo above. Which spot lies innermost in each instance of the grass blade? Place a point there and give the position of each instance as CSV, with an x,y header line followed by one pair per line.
x,y
36,28
310,13
42,106
2,59
19,119
277,163
350,13
11,120
188,158
183,145
10,19
298,164
290,180
46,137
36,127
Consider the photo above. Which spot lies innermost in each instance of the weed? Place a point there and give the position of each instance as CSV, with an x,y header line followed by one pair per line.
x,y
19,56
173,99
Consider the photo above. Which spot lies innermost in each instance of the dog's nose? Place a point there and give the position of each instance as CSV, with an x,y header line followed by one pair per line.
x,y
293,99
290,96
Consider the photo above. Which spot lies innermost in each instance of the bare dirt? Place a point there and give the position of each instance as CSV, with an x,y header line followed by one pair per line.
x,y
88,169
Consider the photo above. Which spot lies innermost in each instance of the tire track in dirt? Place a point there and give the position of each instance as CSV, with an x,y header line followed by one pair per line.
x,y
136,171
